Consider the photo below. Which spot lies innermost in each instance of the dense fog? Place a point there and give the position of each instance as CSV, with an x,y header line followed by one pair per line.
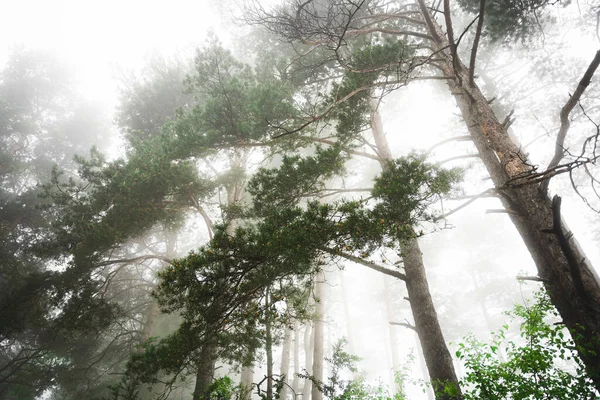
x,y
307,200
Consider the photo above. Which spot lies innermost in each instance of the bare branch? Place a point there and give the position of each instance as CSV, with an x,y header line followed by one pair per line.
x,y
476,44
132,260
368,264
404,324
463,138
479,196
559,149
531,278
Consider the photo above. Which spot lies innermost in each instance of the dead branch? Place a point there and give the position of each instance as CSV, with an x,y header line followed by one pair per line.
x,y
476,44
531,278
463,138
404,324
559,149
465,204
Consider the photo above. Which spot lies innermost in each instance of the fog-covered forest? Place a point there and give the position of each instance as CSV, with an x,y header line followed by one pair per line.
x,y
300,200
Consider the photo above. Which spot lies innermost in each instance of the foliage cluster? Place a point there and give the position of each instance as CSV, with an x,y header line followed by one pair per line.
x,y
544,366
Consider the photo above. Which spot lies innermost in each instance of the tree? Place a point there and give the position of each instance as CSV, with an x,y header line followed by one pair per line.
x,y
43,121
331,28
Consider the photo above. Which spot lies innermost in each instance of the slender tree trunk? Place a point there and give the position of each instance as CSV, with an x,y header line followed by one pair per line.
x,y
284,371
348,318
246,381
296,384
318,352
392,335
309,335
269,346
436,353
573,286
150,323
206,369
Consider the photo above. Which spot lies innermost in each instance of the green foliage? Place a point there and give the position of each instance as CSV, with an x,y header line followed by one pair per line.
x,y
409,185
297,177
545,365
367,64
337,388
221,389
510,20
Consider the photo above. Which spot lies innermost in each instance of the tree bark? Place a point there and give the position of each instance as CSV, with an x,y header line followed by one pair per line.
x,y
437,356
269,345
531,212
348,319
206,369
296,384
284,371
246,381
393,337
319,337
309,335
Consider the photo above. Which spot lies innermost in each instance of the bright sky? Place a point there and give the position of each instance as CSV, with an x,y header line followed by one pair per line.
x,y
100,37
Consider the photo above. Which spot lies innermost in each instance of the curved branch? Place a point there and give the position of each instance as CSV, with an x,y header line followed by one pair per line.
x,y
476,44
559,149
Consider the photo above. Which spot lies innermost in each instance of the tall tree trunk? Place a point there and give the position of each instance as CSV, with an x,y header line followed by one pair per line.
x,y
423,366
206,369
573,286
393,338
348,319
269,346
309,335
150,323
246,381
296,384
284,371
436,353
319,337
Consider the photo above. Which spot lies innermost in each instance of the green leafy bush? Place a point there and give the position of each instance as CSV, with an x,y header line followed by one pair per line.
x,y
546,366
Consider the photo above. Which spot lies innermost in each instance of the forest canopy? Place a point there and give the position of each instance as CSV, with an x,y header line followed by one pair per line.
x,y
327,199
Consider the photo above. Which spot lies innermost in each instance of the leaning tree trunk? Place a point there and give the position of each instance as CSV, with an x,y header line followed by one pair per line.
x,y
319,337
437,356
573,285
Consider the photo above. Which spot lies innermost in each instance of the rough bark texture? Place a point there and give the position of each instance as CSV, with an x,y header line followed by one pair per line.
x,y
437,357
206,370
530,209
284,371
436,353
319,336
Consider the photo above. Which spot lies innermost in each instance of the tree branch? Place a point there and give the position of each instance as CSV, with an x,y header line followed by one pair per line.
x,y
476,44
559,149
132,260
463,138
368,264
